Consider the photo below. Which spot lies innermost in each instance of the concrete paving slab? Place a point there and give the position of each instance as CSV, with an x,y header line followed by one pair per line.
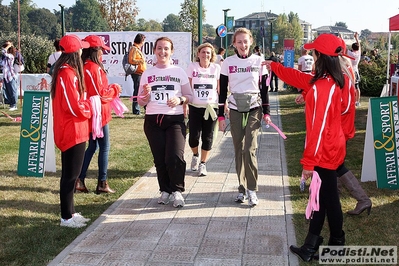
x,y
211,229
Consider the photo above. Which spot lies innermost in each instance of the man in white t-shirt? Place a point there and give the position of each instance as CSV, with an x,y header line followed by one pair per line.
x,y
54,56
305,62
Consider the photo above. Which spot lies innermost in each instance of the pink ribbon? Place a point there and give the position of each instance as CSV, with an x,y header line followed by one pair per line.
x,y
17,119
278,130
314,190
119,107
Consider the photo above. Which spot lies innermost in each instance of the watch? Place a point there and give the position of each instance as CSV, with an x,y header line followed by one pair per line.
x,y
181,100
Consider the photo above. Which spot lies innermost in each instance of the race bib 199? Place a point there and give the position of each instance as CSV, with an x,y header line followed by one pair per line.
x,y
203,92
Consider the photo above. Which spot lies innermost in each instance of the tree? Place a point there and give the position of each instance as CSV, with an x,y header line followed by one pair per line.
x,y
24,8
87,16
189,16
208,30
151,25
341,24
364,34
119,14
172,23
5,19
50,29
288,27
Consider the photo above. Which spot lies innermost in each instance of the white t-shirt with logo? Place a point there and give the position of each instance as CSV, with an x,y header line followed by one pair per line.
x,y
244,77
306,61
204,83
165,84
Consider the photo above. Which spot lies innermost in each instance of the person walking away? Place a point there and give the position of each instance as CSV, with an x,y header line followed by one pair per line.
x,y
9,75
204,80
249,104
71,113
54,56
96,82
273,77
325,146
164,89
136,57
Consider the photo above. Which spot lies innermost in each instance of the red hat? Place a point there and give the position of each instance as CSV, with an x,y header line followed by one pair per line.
x,y
96,41
72,43
326,44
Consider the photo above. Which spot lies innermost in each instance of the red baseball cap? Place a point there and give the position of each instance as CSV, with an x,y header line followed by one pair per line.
x,y
326,44
72,43
96,41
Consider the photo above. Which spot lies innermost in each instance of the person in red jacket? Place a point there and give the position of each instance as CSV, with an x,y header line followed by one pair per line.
x,y
96,82
71,113
325,146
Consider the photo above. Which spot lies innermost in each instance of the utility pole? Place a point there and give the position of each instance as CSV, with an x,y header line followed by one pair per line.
x,y
227,35
199,22
62,19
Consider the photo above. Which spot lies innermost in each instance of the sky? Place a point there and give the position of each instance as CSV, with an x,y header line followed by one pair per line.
x,y
372,15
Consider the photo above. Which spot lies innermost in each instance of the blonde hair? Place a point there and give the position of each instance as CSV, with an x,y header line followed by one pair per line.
x,y
242,31
204,45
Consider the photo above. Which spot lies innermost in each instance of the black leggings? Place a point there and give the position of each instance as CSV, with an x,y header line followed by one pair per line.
x,y
72,161
329,204
199,127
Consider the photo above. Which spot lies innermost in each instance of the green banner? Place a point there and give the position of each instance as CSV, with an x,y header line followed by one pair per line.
x,y
33,138
385,120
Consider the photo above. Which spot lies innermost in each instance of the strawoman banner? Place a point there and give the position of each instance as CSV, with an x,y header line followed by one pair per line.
x,y
120,43
381,157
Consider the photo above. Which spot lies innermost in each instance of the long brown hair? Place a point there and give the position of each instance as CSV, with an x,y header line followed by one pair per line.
x,y
74,61
92,53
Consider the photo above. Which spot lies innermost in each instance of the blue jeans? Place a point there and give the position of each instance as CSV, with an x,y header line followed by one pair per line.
x,y
11,91
103,144
136,83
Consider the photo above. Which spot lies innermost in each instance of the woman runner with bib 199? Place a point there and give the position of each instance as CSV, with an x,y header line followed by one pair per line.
x,y
204,79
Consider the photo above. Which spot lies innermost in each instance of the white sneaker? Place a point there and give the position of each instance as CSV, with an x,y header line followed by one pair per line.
x,y
178,199
13,109
164,198
252,198
79,218
194,163
72,223
240,198
202,169
357,104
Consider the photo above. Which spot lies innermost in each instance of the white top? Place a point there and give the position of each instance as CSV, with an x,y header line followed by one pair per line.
x,y
306,61
165,83
219,59
54,57
355,63
204,83
244,76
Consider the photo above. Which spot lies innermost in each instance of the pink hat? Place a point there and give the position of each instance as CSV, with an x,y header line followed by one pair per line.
x,y
96,41
72,43
326,44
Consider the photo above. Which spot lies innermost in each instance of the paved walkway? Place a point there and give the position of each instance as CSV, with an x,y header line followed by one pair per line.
x,y
211,229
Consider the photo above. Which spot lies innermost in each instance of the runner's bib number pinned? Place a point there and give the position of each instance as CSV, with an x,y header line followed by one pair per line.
x,y
162,94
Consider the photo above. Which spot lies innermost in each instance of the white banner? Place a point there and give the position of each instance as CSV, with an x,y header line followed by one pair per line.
x,y
33,82
121,41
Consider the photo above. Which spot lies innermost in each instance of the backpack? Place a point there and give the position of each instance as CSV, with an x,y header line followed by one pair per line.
x,y
128,68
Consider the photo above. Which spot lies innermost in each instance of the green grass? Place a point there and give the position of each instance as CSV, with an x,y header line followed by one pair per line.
x,y
30,214
381,227
29,219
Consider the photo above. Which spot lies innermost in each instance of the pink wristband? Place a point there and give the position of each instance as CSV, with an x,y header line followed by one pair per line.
x,y
266,115
221,118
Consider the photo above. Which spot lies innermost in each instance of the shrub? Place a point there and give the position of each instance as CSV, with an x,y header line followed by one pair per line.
x,y
373,77
34,49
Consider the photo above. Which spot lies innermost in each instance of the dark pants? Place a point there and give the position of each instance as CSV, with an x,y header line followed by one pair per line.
x,y
72,161
329,205
136,83
166,135
199,127
274,79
